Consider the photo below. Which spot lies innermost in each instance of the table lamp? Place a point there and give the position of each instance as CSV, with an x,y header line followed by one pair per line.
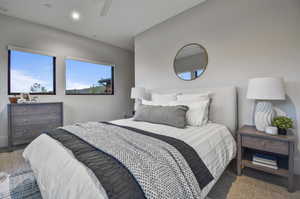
x,y
264,90
138,94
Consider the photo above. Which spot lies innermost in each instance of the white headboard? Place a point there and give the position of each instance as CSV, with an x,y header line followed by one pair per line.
x,y
223,109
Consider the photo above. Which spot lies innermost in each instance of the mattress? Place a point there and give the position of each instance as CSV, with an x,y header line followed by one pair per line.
x,y
213,143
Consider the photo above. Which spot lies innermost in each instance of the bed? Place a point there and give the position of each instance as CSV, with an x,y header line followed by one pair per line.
x,y
157,170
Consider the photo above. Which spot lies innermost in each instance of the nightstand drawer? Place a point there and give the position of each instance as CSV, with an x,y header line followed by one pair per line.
x,y
266,145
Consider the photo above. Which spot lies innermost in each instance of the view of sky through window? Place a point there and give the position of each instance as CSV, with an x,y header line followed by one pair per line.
x,y
185,75
88,78
30,73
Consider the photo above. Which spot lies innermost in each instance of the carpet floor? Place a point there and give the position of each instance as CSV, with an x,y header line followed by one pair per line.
x,y
251,185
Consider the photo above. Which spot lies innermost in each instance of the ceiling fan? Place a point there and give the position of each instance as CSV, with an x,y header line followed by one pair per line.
x,y
105,8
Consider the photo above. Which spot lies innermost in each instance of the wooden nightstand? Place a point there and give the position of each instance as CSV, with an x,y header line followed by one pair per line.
x,y
251,141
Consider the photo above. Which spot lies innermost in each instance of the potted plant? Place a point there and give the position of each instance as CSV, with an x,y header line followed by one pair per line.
x,y
283,124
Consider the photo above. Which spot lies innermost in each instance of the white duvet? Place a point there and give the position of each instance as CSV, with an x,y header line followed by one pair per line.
x,y
61,176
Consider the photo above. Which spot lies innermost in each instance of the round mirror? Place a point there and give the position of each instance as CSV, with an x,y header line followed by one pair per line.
x,y
190,62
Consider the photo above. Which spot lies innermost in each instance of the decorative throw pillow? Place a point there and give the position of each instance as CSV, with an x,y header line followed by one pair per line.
x,y
197,115
168,115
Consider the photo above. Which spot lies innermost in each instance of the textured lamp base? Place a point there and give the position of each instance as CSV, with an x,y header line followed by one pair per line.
x,y
264,115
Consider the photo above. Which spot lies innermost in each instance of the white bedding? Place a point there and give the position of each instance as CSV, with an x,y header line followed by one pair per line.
x,y
71,179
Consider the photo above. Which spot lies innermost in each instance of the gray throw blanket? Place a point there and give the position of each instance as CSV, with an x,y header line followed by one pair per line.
x,y
130,163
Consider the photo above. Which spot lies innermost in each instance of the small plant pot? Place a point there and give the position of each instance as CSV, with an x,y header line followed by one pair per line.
x,y
282,131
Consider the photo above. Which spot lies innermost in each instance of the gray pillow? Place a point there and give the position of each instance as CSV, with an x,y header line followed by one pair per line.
x,y
168,115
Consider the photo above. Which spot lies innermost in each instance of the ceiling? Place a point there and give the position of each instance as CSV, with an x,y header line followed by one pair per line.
x,y
125,18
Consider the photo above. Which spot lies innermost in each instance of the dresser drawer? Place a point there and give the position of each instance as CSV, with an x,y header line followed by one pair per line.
x,y
23,140
38,109
265,145
33,119
19,131
26,133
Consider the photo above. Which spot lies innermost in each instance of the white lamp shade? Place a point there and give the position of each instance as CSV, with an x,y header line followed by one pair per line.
x,y
138,93
267,88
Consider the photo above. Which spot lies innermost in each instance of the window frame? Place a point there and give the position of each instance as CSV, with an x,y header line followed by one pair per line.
x,y
91,62
10,48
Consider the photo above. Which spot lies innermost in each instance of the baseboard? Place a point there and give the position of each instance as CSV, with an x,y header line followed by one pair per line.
x,y
4,150
3,144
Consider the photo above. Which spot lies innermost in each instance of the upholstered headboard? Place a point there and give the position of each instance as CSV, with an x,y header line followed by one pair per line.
x,y
223,109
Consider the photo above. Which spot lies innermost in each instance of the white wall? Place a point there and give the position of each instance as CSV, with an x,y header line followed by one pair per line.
x,y
244,39
76,108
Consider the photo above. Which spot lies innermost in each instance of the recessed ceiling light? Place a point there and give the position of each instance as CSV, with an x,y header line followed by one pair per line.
x,y
75,15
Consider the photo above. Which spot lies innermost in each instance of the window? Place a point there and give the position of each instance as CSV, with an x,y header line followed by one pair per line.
x,y
185,75
30,73
86,78
190,75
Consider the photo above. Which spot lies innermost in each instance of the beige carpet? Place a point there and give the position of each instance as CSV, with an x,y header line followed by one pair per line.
x,y
10,162
252,185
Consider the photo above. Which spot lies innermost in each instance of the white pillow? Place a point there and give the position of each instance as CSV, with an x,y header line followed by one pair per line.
x,y
164,99
147,102
193,97
197,115
152,103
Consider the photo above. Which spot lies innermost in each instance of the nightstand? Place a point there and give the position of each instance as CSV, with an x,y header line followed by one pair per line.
x,y
127,116
251,141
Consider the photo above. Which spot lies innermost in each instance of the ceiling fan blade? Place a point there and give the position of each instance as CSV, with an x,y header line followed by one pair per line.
x,y
106,7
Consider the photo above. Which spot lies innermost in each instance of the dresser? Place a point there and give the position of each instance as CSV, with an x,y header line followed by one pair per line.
x,y
28,121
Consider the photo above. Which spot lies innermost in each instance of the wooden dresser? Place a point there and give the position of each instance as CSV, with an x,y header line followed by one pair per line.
x,y
28,121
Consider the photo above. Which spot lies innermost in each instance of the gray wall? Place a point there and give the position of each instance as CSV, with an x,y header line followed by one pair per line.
x,y
244,39
77,108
